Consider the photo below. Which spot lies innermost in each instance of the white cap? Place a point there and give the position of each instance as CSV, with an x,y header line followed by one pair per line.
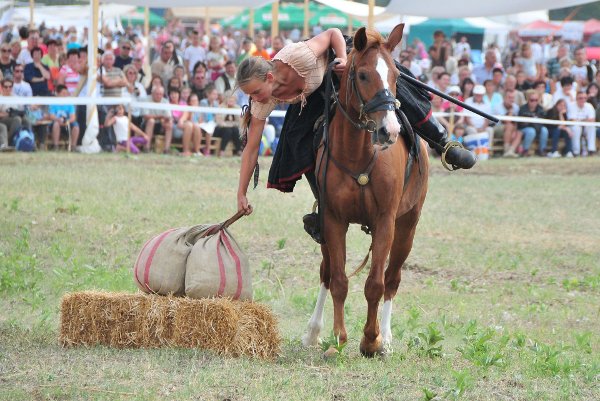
x,y
454,89
479,90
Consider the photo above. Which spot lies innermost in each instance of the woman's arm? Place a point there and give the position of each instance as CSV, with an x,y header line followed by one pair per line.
x,y
249,158
331,38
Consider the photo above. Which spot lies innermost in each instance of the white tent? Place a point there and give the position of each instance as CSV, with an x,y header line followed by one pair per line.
x,y
67,16
474,8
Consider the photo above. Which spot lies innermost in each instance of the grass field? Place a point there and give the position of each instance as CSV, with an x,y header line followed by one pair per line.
x,y
500,298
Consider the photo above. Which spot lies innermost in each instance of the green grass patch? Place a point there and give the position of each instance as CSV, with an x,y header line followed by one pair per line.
x,y
499,297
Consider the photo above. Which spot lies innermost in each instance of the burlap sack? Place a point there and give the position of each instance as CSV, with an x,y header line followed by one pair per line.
x,y
217,267
160,266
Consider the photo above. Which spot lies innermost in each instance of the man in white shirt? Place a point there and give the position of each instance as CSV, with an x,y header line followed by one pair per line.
x,y
475,122
226,82
581,110
582,71
193,53
20,87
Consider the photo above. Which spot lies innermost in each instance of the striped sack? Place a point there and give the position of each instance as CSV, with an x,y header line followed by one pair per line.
x,y
160,266
217,267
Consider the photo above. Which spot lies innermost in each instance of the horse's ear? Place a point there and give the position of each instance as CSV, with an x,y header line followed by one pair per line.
x,y
395,37
360,39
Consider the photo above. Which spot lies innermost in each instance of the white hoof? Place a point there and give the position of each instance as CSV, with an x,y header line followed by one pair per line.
x,y
387,342
312,336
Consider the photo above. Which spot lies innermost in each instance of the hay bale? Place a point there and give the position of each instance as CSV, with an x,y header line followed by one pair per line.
x,y
257,333
140,320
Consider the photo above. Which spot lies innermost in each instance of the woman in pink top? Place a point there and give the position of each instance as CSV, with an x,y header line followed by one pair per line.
x,y
294,74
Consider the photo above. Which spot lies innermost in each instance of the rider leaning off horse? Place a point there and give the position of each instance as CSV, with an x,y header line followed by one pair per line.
x,y
295,76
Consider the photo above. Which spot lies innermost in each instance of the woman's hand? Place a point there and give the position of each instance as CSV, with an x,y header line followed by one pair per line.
x,y
244,205
340,65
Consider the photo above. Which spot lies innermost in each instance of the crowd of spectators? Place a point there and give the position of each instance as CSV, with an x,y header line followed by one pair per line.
x,y
543,78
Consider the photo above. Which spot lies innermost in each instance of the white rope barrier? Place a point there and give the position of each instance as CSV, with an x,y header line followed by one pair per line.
x,y
112,101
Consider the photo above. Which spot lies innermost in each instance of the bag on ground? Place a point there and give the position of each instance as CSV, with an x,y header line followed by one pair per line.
x,y
217,267
160,266
24,141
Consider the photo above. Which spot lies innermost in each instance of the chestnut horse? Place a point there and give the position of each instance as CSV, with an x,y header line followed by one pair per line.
x,y
365,183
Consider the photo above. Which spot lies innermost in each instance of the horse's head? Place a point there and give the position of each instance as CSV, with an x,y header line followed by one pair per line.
x,y
372,78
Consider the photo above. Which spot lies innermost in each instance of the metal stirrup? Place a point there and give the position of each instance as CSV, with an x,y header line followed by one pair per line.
x,y
450,145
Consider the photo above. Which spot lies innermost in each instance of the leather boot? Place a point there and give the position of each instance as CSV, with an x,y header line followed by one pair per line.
x,y
453,153
312,221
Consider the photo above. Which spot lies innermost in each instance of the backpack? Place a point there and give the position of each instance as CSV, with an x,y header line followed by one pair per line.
x,y
24,141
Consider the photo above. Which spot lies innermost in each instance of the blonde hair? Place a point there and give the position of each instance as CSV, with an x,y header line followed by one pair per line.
x,y
249,69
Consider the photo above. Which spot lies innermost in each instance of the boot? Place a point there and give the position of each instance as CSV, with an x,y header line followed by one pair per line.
x,y
454,154
312,221
312,226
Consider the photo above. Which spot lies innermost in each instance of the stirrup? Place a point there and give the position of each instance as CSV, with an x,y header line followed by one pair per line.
x,y
449,145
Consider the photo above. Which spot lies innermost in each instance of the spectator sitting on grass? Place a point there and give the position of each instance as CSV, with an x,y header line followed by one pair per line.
x,y
122,126
63,116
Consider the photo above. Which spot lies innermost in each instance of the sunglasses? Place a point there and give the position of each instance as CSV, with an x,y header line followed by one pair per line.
x,y
7,86
5,50
533,100
125,47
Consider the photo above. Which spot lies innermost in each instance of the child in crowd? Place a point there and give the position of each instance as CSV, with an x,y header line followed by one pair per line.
x,y
120,122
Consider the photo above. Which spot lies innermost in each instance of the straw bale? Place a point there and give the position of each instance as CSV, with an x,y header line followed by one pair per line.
x,y
257,333
122,320
206,323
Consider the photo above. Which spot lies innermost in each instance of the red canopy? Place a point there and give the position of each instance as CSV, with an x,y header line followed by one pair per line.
x,y
591,27
538,28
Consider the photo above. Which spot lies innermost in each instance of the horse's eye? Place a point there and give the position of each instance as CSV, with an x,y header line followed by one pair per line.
x,y
362,76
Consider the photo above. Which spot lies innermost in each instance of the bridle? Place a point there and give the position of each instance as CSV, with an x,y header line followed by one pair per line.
x,y
383,100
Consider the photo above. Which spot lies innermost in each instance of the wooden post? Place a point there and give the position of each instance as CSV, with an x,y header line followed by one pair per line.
x,y
306,19
147,60
31,7
350,25
207,22
251,24
275,20
371,20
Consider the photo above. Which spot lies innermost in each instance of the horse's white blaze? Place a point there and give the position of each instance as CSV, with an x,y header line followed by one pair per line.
x,y
390,121
383,71
386,323
315,324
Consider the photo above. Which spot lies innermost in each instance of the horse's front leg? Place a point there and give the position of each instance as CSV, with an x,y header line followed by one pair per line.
x,y
383,235
335,237
315,324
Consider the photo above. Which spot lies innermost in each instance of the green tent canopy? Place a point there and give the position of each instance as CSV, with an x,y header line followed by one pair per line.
x,y
291,15
451,27
137,18
329,17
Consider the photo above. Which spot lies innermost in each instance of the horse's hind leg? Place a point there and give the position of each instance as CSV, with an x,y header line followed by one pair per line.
x,y
315,324
403,240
